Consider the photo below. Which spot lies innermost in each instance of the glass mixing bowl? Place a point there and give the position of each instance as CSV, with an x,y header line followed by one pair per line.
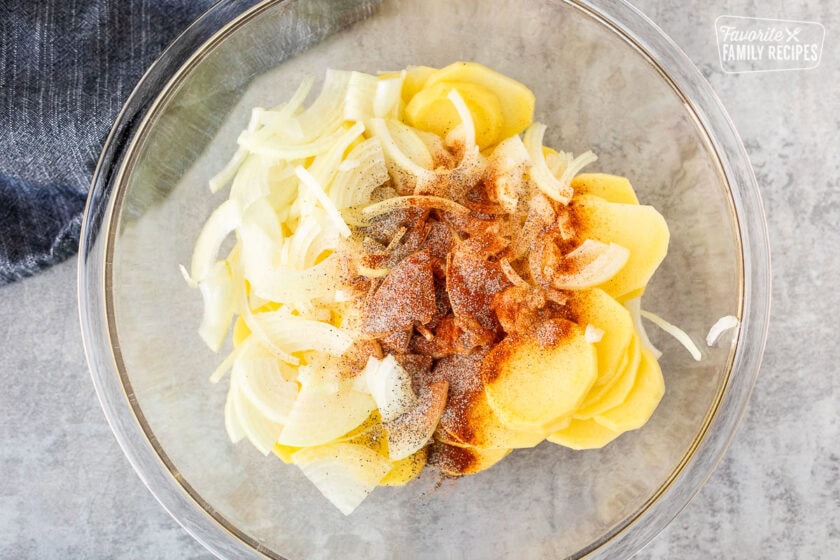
x,y
605,78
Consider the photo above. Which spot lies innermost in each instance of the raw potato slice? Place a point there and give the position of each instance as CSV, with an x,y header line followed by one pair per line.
x,y
640,402
345,473
594,307
611,188
641,229
583,434
531,381
459,461
616,392
415,78
432,110
516,100
405,470
480,427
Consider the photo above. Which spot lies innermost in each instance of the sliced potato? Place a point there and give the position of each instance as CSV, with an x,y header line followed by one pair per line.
x,y
478,426
415,78
516,100
641,229
615,393
432,110
405,470
611,188
533,380
459,461
595,307
642,400
583,434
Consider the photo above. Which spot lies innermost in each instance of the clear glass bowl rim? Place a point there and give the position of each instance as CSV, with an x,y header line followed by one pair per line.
x,y
107,188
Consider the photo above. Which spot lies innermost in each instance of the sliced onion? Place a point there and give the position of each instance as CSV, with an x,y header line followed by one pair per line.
x,y
218,293
510,273
413,429
261,381
634,306
592,263
386,102
410,143
259,430
309,182
320,415
251,182
327,110
393,152
507,166
232,426
353,186
223,177
280,121
358,102
466,120
721,326
593,334
325,166
278,149
540,173
680,335
390,386
218,226
345,473
296,334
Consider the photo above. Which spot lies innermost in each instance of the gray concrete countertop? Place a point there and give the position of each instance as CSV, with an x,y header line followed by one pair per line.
x,y
66,491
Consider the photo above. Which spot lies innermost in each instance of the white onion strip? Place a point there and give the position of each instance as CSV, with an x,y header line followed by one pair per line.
x,y
312,184
680,335
721,326
218,226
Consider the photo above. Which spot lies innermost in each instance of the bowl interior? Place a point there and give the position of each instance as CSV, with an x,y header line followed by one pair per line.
x,y
595,91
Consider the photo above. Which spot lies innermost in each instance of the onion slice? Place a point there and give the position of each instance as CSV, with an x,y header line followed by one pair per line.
x,y
390,386
413,429
591,264
345,473
721,326
680,335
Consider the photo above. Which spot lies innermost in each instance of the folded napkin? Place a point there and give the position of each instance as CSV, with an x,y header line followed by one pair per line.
x,y
66,67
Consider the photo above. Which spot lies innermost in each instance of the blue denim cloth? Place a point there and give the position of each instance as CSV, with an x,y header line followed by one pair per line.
x,y
66,67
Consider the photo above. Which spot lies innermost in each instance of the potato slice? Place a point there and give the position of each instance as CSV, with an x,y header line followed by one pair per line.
x,y
533,380
459,461
583,434
611,188
478,426
615,393
641,229
433,111
642,400
415,78
516,100
405,470
594,307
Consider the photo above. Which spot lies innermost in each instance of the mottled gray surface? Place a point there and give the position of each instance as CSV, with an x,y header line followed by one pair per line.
x,y
67,492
